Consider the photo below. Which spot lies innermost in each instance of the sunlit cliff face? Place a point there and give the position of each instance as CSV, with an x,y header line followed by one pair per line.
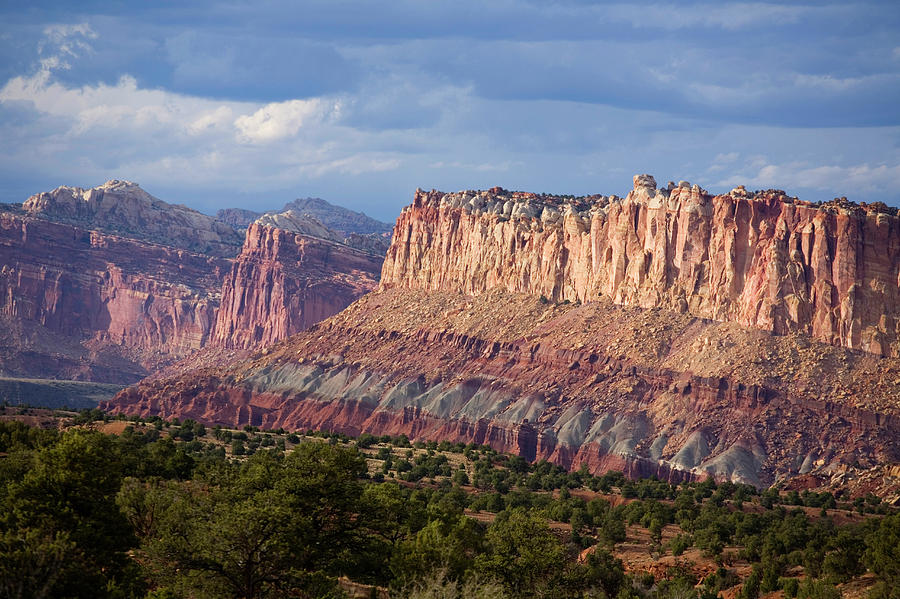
x,y
759,259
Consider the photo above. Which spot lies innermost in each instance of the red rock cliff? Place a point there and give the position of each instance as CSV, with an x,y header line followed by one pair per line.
x,y
283,282
760,259
645,391
84,304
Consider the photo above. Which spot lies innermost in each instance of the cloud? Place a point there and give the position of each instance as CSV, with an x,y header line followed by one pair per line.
x,y
61,43
726,158
67,40
218,118
354,101
353,165
849,180
247,65
477,167
279,120
91,132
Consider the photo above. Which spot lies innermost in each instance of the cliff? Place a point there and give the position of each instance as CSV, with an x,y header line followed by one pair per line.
x,y
670,332
283,282
81,304
123,208
645,391
110,283
762,259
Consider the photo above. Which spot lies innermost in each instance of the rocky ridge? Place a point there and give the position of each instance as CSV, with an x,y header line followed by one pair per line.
x,y
759,259
283,281
237,218
554,327
574,384
123,208
337,218
304,224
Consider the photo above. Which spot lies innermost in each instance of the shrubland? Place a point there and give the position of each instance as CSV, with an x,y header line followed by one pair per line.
x,y
149,508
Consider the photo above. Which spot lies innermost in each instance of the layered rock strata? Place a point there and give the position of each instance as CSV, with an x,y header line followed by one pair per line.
x,y
123,208
646,391
82,304
762,259
283,282
305,224
631,333
110,283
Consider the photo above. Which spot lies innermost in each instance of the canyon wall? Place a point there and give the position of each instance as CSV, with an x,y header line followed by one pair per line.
x,y
762,259
282,282
83,304
110,283
610,387
651,351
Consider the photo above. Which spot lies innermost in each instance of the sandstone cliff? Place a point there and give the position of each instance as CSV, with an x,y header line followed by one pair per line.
x,y
123,208
81,304
109,284
650,351
645,391
756,259
283,282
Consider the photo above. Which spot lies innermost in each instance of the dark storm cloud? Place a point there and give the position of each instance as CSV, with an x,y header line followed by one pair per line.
x,y
340,98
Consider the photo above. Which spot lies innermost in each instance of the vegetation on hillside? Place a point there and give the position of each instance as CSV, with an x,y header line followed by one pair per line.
x,y
176,509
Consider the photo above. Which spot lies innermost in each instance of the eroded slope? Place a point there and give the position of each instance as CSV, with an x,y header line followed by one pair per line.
x,y
648,391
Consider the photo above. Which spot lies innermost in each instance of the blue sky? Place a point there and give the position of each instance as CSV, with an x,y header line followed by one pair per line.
x,y
255,103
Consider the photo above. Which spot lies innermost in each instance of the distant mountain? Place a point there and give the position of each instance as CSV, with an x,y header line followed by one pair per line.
x,y
298,222
341,220
239,218
123,208
304,223
337,218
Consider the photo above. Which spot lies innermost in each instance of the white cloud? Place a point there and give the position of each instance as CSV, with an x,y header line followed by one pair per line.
x,y
121,106
279,120
62,42
124,130
850,180
221,117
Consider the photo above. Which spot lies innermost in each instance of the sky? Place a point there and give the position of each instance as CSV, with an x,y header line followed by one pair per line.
x,y
253,104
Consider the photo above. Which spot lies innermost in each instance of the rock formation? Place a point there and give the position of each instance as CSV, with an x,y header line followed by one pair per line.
x,y
123,208
631,333
238,218
338,219
283,282
644,391
110,283
81,304
757,259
